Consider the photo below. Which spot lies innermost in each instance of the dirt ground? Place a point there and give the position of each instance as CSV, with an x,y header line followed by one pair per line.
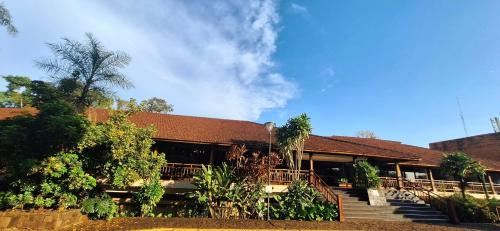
x,y
205,223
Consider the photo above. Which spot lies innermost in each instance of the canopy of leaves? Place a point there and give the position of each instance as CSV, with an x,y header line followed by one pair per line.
x,y
251,166
302,202
461,166
57,181
291,139
89,66
366,175
367,134
54,129
6,19
157,105
18,90
120,151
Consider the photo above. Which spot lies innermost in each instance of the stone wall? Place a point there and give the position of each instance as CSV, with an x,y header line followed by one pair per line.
x,y
40,219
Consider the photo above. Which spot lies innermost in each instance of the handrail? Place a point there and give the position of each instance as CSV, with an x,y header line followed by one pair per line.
x,y
179,170
436,201
327,192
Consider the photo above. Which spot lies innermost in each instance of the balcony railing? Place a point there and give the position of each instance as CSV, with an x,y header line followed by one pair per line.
x,y
439,185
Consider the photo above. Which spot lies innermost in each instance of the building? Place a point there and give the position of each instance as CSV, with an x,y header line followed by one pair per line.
x,y
190,141
484,148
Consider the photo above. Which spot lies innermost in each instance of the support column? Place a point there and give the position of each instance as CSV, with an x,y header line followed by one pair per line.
x,y
399,176
491,185
311,162
431,177
211,160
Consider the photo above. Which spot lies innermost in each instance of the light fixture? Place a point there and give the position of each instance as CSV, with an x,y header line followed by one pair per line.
x,y
269,127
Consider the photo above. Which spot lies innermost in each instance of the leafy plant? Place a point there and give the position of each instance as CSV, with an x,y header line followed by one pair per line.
x,y
101,207
291,139
251,167
56,182
343,180
148,196
461,166
302,202
470,209
366,175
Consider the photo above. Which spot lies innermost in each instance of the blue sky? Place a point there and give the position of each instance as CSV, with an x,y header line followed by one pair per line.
x,y
394,67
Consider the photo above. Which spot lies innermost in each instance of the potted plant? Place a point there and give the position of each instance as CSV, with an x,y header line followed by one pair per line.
x,y
344,183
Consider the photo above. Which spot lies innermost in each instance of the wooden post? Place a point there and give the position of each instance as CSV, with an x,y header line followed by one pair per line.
x,y
491,185
211,160
340,204
431,177
311,162
399,176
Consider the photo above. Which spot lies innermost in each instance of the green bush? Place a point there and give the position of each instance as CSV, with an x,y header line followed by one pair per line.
x,y
471,209
102,207
366,175
56,182
148,196
302,202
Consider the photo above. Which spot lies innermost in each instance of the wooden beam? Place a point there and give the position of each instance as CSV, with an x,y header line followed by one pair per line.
x,y
491,185
400,177
211,160
431,177
311,162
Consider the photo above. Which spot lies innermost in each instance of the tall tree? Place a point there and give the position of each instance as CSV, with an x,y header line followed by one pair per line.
x,y
6,20
367,134
91,67
157,105
461,166
291,139
18,91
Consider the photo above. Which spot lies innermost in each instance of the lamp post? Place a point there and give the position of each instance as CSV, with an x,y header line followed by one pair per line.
x,y
269,128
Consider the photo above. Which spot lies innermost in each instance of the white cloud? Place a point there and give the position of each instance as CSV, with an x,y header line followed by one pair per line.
x,y
208,58
298,8
327,76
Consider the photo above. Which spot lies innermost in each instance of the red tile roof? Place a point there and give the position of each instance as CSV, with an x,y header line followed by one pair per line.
x,y
11,112
191,129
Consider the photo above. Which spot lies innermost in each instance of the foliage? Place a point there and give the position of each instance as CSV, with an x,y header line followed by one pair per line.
x,y
120,152
56,182
148,196
220,192
157,105
251,167
6,20
461,166
302,202
470,209
54,129
101,207
367,134
343,180
18,91
90,67
291,138
367,174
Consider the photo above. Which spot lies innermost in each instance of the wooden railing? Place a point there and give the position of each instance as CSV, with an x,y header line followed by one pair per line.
x,y
177,171
439,185
327,192
434,200
287,176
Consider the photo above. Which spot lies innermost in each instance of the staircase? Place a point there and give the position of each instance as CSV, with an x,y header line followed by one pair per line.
x,y
402,206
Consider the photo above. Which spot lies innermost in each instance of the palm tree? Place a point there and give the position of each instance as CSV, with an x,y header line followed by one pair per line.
x,y
291,139
461,166
6,20
90,66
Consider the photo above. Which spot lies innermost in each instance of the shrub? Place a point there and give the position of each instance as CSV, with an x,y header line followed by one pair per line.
x,y
102,207
366,175
301,202
148,196
56,182
470,209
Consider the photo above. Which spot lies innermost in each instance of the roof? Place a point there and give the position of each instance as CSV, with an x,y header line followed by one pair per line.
x,y
192,129
11,112
202,130
428,157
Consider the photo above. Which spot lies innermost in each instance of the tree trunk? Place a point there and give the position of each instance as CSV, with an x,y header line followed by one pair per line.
x,y
462,187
